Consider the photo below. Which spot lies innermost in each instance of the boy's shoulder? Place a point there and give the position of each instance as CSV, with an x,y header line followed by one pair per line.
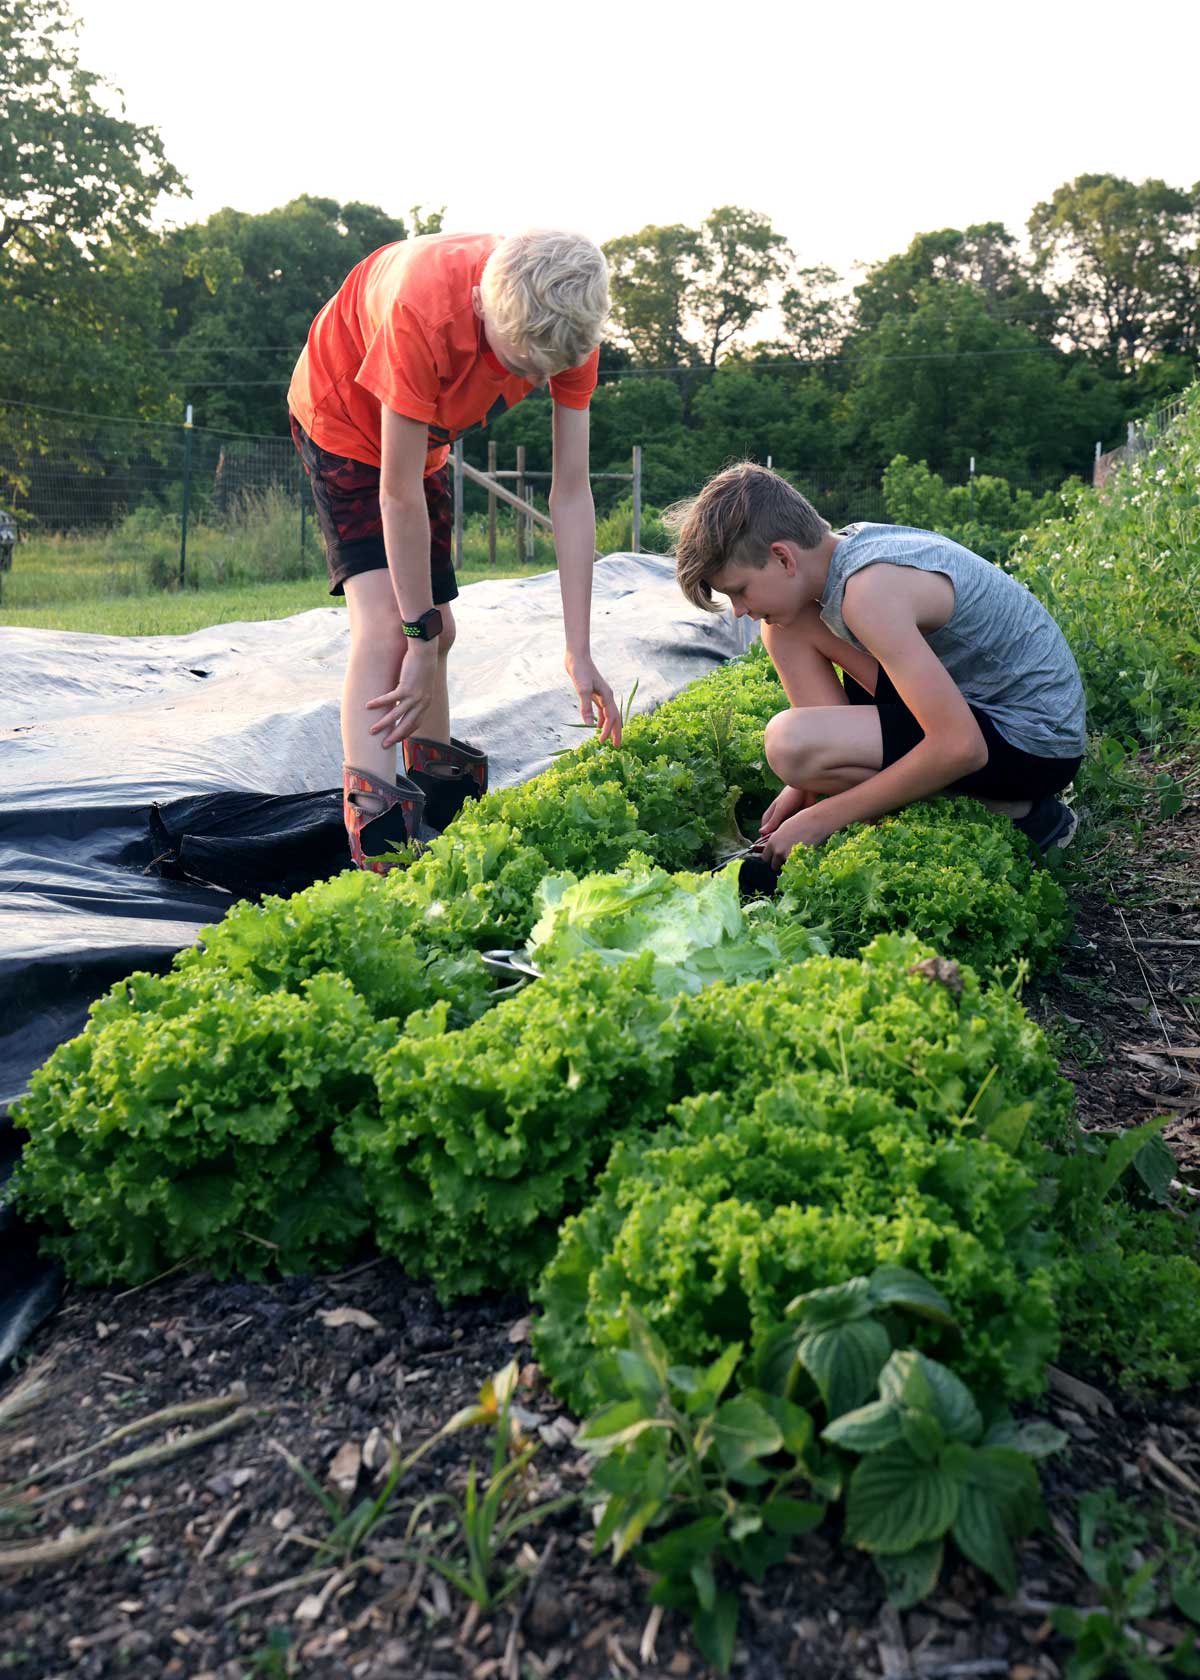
x,y
902,539
432,274
866,545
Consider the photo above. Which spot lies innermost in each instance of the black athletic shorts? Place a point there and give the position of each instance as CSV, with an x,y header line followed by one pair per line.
x,y
346,493
1008,774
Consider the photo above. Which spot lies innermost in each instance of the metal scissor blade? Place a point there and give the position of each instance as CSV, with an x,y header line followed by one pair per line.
x,y
757,878
510,963
744,852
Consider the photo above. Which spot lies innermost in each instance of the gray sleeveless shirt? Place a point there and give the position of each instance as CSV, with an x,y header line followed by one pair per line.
x,y
1001,646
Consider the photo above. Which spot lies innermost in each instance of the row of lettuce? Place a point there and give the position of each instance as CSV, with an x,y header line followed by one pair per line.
x,y
797,1183
222,1111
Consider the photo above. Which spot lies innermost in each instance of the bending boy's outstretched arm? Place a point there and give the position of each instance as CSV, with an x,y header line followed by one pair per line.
x,y
574,517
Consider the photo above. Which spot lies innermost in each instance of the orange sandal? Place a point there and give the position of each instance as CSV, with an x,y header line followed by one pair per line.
x,y
380,817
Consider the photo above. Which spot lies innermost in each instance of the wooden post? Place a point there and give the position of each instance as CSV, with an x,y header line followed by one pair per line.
x,y
491,467
636,541
521,494
458,504
187,485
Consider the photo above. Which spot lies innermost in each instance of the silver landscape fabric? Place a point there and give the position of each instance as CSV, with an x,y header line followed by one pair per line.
x,y
94,730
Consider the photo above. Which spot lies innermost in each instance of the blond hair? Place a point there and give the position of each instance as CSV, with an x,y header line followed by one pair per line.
x,y
547,292
735,519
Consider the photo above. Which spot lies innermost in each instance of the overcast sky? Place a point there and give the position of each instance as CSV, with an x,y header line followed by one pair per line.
x,y
852,126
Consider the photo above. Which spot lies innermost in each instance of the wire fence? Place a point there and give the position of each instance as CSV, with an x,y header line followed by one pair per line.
x,y
1141,436
65,474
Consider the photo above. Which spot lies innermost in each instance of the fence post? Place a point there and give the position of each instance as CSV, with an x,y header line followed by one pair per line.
x,y
636,538
458,504
521,493
971,490
491,467
187,485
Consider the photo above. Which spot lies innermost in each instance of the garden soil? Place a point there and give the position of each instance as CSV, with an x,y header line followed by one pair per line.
x,y
202,1565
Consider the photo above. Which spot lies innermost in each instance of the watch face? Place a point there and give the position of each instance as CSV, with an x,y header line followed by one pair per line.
x,y
425,628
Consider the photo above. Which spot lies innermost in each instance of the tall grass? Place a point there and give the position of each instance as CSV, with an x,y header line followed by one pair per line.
x,y
251,564
259,542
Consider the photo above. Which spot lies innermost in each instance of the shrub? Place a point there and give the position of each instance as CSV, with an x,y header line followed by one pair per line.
x,y
988,516
614,532
1122,577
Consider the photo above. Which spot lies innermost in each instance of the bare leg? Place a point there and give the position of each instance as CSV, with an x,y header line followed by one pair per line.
x,y
376,650
436,726
825,749
377,645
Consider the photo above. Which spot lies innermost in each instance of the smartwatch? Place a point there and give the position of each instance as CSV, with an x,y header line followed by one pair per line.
x,y
427,628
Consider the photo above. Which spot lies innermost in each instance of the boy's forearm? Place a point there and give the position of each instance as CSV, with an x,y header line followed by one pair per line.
x,y
574,519
406,539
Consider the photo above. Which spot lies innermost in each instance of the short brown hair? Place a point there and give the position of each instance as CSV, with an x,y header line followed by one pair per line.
x,y
736,517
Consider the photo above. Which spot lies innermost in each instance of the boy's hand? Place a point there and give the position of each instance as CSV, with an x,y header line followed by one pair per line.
x,y
412,696
595,695
806,828
783,806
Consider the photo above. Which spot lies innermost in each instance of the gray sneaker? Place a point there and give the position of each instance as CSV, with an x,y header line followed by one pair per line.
x,y
1049,823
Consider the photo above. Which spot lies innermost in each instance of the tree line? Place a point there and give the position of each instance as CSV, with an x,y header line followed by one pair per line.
x,y
971,342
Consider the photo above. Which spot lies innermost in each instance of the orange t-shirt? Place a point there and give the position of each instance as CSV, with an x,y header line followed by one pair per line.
x,y
402,331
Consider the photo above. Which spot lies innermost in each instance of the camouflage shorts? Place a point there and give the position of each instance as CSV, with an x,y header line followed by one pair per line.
x,y
346,494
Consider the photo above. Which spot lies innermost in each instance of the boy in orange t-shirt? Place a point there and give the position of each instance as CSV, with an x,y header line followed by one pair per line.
x,y
426,339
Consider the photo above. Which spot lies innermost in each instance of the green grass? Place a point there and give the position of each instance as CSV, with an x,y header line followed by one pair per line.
x,y
172,614
125,582
252,565
165,614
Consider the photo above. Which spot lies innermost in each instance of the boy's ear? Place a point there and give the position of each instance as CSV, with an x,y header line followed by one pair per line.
x,y
785,553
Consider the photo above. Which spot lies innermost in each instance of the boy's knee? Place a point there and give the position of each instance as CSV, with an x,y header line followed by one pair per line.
x,y
378,633
449,631
772,741
786,744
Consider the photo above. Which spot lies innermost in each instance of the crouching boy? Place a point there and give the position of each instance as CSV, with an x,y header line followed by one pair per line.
x,y
957,679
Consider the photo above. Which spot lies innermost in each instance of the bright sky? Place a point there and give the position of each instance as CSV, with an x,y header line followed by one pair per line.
x,y
852,125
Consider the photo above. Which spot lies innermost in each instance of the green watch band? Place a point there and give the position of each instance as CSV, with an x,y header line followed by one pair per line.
x,y
427,628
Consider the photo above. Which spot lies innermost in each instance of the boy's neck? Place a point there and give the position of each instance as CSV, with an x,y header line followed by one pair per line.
x,y
812,565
